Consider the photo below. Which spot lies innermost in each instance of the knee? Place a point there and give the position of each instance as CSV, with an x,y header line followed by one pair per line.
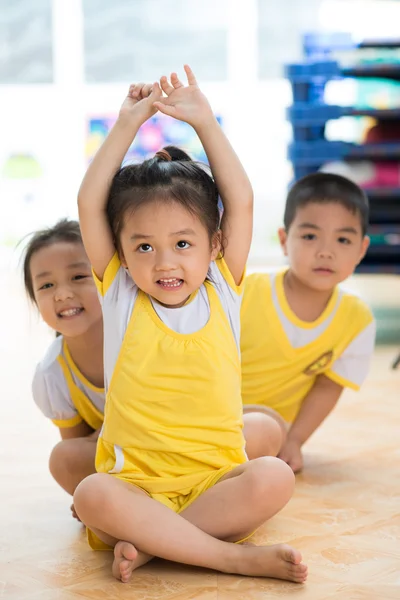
x,y
62,460
90,495
272,479
263,435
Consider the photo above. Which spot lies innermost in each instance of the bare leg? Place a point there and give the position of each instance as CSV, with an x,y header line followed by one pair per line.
x,y
263,435
71,461
214,513
265,431
101,500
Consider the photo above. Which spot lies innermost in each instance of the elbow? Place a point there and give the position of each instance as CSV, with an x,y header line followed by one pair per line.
x,y
248,195
249,200
83,205
80,198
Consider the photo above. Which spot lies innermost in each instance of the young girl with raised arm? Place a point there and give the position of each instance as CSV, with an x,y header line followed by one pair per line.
x,y
173,478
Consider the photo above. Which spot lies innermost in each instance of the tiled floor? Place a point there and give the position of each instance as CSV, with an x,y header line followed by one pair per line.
x,y
344,517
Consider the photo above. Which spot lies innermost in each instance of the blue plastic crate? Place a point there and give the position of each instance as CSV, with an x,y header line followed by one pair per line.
x,y
324,44
306,114
319,152
308,120
373,71
308,71
308,79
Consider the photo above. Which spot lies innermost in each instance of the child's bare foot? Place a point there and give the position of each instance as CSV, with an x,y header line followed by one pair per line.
x,y
74,513
126,560
279,561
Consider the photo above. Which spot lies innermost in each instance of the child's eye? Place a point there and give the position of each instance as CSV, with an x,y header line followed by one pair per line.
x,y
309,236
46,286
344,240
78,277
145,248
182,245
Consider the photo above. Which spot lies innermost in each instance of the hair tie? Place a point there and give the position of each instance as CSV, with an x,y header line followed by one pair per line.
x,y
164,155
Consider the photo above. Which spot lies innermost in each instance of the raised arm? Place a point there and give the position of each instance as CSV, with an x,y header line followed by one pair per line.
x,y
188,103
95,187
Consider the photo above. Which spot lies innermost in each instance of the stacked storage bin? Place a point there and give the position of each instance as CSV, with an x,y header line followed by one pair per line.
x,y
310,149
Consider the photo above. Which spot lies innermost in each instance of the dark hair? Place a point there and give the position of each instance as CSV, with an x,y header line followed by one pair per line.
x,y
323,188
63,231
170,176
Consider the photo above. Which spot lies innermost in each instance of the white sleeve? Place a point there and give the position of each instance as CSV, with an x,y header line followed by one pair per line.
x,y
351,368
51,395
118,294
229,294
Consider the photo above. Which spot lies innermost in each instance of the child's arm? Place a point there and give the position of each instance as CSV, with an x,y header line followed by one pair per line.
x,y
187,103
320,401
93,193
78,431
349,370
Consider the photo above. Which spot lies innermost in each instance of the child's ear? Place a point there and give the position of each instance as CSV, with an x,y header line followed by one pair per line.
x,y
282,234
364,247
216,245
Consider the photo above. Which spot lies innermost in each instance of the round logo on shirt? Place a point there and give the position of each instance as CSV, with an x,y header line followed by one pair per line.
x,y
320,365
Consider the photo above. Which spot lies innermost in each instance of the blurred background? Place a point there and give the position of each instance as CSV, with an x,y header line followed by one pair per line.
x,y
65,66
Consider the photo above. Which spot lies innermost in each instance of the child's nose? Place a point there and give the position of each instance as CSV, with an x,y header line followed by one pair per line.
x,y
325,252
325,249
63,292
165,261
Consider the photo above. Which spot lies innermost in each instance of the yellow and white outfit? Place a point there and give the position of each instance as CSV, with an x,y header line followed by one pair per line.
x,y
62,393
173,415
282,355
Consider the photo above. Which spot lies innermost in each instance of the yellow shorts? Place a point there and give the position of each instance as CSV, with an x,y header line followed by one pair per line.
x,y
173,500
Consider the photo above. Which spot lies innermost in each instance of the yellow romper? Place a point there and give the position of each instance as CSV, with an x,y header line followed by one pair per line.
x,y
63,393
173,415
282,355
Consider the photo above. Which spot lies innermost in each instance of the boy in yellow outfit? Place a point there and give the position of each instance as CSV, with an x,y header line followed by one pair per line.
x,y
304,338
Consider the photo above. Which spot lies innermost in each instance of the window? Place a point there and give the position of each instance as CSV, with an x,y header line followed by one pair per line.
x,y
138,40
25,42
281,25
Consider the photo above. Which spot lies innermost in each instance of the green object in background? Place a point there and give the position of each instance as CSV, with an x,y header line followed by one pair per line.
x,y
378,92
388,325
385,239
21,166
375,93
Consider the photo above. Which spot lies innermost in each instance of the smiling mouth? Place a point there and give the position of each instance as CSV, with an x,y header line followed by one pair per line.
x,y
70,312
170,284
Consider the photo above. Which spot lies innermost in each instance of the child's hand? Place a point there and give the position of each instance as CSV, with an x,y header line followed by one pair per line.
x,y
291,454
186,103
140,100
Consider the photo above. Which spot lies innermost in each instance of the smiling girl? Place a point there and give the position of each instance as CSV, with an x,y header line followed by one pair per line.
x,y
68,382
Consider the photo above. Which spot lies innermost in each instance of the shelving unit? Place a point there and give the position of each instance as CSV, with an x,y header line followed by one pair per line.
x,y
310,149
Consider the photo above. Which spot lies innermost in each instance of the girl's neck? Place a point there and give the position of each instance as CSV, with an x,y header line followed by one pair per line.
x,y
86,351
307,303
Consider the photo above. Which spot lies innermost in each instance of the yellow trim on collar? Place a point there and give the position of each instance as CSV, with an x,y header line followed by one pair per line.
x,y
77,372
288,312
